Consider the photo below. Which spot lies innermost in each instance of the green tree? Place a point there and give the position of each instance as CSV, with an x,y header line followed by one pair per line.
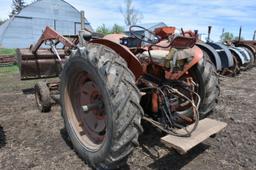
x,y
130,14
237,38
17,6
117,29
103,30
226,36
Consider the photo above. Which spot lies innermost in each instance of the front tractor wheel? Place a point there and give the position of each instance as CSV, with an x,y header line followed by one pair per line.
x,y
42,96
100,106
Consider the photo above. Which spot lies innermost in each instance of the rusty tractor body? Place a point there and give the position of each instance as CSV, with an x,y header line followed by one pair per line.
x,y
249,46
108,85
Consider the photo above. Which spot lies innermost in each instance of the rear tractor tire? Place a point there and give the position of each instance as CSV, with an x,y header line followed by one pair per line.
x,y
101,106
208,83
205,76
43,98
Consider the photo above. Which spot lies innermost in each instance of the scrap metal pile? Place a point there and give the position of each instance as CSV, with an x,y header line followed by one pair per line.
x,y
230,57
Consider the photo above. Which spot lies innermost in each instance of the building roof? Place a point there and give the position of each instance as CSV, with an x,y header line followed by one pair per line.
x,y
27,25
50,9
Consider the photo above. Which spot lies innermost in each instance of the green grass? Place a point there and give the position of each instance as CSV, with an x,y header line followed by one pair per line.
x,y
13,69
10,80
7,51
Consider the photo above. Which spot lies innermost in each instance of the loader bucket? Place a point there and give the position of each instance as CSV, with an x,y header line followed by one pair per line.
x,y
42,64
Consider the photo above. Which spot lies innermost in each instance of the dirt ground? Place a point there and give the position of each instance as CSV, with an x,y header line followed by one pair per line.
x,y
33,140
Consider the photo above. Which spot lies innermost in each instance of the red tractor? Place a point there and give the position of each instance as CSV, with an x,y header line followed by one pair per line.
x,y
109,85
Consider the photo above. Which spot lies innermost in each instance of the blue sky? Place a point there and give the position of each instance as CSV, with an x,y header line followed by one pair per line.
x,y
189,14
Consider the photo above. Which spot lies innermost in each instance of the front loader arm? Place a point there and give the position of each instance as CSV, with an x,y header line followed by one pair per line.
x,y
38,63
50,34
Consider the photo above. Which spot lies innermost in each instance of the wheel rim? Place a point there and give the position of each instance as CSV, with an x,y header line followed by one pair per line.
x,y
89,126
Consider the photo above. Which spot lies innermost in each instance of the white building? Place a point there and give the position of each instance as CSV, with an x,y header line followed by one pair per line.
x,y
25,28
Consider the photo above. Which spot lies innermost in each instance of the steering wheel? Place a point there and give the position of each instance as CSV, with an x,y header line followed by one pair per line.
x,y
148,37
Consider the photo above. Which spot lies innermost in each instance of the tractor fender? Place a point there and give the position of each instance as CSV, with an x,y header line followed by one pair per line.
x,y
239,56
214,56
224,53
246,58
245,53
197,54
133,63
249,47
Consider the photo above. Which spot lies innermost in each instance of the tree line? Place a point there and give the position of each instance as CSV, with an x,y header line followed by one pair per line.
x,y
130,15
227,36
17,6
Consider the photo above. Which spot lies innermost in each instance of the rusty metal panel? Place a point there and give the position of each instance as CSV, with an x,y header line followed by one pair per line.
x,y
132,61
44,64
247,43
250,46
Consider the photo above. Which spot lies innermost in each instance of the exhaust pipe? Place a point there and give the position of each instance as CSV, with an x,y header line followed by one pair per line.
x,y
209,33
240,33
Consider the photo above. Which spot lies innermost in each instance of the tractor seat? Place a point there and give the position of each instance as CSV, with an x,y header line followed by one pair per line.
x,y
158,56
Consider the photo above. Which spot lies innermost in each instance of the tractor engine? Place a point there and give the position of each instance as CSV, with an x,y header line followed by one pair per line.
x,y
157,62
168,92
164,99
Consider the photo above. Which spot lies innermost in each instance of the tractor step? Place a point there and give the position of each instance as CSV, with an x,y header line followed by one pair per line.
x,y
206,128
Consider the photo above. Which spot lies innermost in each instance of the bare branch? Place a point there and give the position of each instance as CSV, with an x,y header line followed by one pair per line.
x,y
130,14
17,6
